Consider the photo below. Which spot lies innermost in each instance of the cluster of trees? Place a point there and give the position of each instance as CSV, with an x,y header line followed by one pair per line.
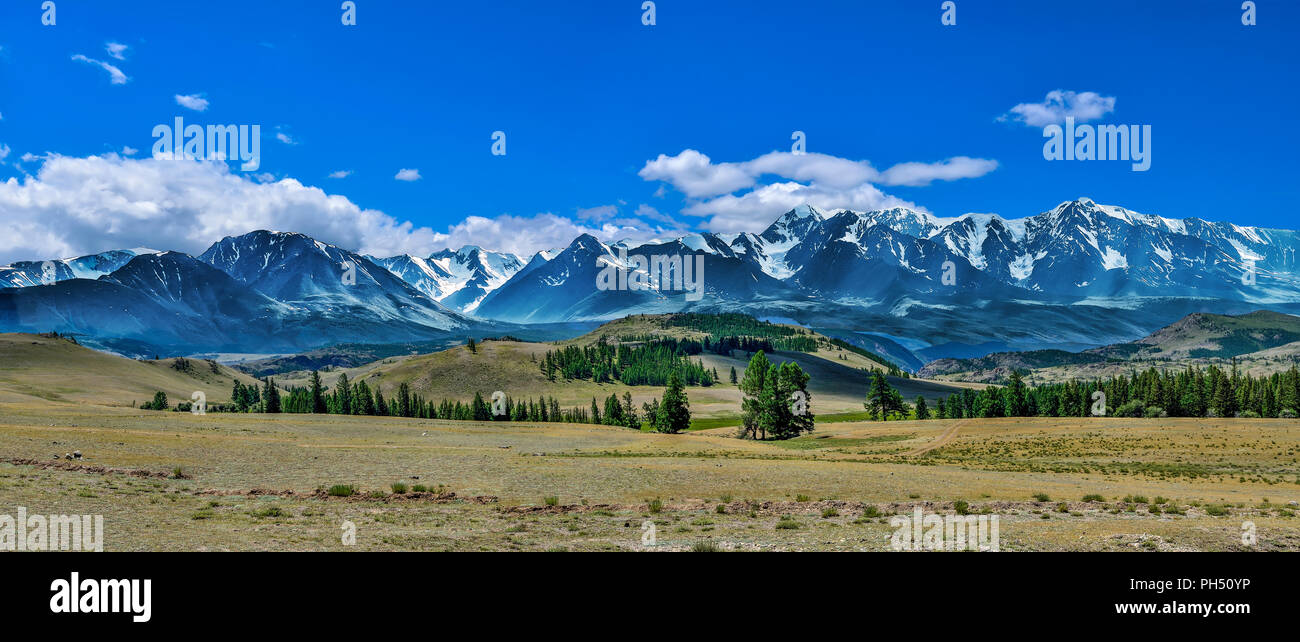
x,y
669,414
776,403
645,365
1190,392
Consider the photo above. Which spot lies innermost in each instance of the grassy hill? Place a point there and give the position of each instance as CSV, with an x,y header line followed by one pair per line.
x,y
37,367
839,376
1262,342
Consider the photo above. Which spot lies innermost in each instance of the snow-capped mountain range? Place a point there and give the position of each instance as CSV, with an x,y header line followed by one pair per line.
x,y
874,271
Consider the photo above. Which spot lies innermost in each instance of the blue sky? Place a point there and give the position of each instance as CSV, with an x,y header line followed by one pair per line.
x,y
587,96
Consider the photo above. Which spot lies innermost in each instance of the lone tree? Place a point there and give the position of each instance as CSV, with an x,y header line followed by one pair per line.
x,y
883,399
733,375
473,347
922,411
675,409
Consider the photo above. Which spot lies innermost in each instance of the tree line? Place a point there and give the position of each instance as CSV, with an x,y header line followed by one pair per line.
x,y
1190,392
670,414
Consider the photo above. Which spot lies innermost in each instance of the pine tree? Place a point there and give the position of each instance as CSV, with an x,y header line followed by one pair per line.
x,y
473,347
1014,397
675,409
751,387
317,393
878,398
922,412
272,396
343,393
733,375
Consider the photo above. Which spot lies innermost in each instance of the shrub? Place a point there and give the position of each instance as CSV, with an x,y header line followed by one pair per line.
x,y
342,490
1132,408
399,488
961,507
829,512
1154,412
1249,414
1042,497
871,511
1215,510
1062,508
419,488
802,498
1159,500
787,523
705,546
552,500
1093,498
269,511
656,505
720,509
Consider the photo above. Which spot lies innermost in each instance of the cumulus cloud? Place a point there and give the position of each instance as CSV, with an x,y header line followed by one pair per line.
x,y
192,101
115,75
77,206
825,181
116,50
1083,106
694,175
408,175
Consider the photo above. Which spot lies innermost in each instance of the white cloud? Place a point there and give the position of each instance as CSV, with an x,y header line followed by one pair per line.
x,y
694,175
116,50
598,213
193,101
342,173
1083,106
827,182
285,138
28,157
128,150
115,75
919,174
76,206
756,209
525,235
4,151
408,175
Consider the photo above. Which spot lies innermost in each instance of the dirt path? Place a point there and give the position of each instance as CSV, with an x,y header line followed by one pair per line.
x,y
943,440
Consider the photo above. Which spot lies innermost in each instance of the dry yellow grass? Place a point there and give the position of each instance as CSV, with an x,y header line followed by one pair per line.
x,y
605,476
39,368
